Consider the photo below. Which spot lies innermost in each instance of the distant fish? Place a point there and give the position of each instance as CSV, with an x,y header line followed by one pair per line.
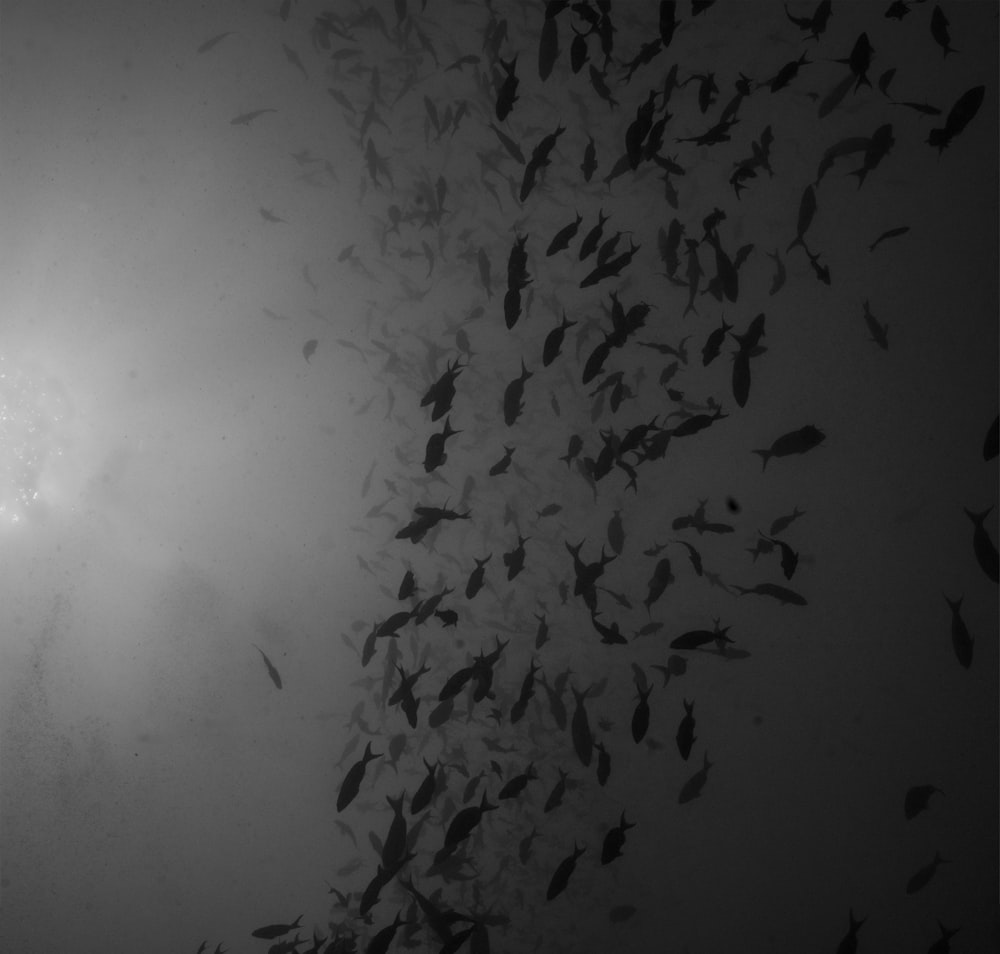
x,y
309,348
244,119
214,41
271,671
692,788
891,233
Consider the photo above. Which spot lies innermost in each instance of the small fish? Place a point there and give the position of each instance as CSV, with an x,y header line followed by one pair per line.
x,y
982,545
213,41
563,872
271,931
794,442
268,216
692,788
244,119
879,333
309,348
891,233
918,799
924,875
780,593
271,671
685,731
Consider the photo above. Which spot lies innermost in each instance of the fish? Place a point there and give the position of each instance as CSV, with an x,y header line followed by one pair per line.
x,y
917,800
512,403
959,116
351,784
562,874
213,41
583,739
939,31
794,442
507,93
563,237
244,119
888,234
983,547
780,593
922,877
270,931
692,788
295,60
309,349
685,737
879,333
271,671
807,210
991,442
849,942
589,165
614,840
552,347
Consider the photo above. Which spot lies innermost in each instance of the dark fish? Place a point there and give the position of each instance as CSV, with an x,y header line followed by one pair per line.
x,y
583,740
548,46
640,717
685,731
514,392
991,443
879,333
553,341
564,236
789,558
891,233
563,873
352,781
780,593
271,671
807,209
985,550
477,577
794,442
849,942
500,467
309,348
509,144
960,115
939,30
589,165
507,94
918,799
713,344
271,931
614,840
434,453
514,559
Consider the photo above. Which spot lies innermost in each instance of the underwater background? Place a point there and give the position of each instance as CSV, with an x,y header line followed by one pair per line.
x,y
249,249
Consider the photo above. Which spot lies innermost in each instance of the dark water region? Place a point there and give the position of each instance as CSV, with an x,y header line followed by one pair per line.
x,y
499,476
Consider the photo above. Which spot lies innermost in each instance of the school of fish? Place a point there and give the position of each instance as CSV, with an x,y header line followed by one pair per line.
x,y
485,664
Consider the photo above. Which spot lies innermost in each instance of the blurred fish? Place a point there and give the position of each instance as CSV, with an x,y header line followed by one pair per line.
x,y
982,545
917,799
213,41
271,671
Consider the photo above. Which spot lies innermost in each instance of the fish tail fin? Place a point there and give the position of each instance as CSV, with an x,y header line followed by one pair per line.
x,y
765,456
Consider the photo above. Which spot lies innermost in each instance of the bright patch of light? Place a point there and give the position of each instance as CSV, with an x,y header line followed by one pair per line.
x,y
34,417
